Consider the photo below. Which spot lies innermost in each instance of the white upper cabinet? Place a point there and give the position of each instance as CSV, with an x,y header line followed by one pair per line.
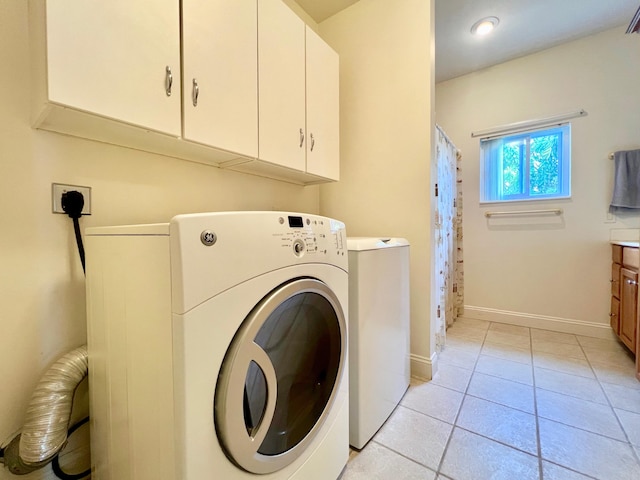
x,y
114,59
298,94
240,84
220,48
281,73
323,108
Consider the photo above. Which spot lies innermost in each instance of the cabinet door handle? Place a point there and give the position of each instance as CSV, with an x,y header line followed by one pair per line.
x,y
168,81
632,282
195,92
301,137
313,141
612,314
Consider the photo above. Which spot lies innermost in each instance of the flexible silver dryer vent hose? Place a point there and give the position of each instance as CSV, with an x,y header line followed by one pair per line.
x,y
47,418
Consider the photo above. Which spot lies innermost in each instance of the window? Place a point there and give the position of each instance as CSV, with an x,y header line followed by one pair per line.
x,y
532,165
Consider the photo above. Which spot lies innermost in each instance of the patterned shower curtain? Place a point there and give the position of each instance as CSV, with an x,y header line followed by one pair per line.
x,y
448,220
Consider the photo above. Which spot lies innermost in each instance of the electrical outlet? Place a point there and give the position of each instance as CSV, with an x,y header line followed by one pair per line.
x,y
611,218
57,189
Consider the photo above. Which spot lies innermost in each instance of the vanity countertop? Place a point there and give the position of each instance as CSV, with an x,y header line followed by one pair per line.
x,y
625,243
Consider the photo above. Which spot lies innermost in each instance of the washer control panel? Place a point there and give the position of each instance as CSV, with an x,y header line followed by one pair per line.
x,y
312,236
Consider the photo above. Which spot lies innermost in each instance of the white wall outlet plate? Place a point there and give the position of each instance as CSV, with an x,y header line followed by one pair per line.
x,y
57,189
611,218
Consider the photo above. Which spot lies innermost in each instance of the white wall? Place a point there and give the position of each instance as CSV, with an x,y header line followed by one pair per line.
x,y
557,267
386,128
41,282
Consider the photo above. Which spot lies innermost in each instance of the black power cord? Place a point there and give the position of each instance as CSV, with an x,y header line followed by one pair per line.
x,y
72,204
55,465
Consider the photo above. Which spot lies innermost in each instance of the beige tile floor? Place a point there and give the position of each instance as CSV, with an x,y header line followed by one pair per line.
x,y
513,403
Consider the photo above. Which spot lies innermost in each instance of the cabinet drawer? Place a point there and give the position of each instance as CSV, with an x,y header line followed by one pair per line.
x,y
616,251
631,257
615,280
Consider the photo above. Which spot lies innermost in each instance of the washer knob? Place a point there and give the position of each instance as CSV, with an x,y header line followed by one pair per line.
x,y
299,247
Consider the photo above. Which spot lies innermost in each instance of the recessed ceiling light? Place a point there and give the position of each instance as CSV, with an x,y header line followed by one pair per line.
x,y
484,25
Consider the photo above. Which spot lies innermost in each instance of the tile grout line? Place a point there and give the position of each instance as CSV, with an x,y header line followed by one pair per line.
x,y
500,442
373,440
585,430
636,454
455,420
507,379
535,409
464,392
624,431
586,475
595,377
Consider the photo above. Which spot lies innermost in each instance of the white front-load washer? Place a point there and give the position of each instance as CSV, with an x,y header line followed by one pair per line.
x,y
218,348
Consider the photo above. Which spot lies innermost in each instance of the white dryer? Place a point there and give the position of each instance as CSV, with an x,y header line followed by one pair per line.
x,y
218,348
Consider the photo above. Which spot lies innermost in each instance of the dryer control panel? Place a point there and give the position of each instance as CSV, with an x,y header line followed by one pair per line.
x,y
312,236
210,252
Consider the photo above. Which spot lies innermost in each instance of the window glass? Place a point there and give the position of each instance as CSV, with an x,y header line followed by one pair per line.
x,y
254,400
526,166
303,341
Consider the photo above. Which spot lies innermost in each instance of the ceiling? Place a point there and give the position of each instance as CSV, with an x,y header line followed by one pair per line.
x,y
320,10
526,26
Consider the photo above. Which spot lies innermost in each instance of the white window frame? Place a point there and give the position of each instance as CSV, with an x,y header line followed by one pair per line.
x,y
491,179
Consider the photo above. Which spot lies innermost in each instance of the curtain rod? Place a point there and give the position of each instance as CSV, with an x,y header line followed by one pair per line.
x,y
444,134
528,124
634,26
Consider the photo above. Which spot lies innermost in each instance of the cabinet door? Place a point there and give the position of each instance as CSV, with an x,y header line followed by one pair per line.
x,y
615,279
220,43
111,57
323,111
628,308
281,72
615,315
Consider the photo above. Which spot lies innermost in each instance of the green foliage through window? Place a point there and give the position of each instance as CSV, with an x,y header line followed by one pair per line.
x,y
527,166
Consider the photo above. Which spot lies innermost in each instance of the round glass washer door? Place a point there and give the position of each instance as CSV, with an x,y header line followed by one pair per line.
x,y
280,375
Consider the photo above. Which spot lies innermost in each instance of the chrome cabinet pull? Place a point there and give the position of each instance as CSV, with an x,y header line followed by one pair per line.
x,y
313,141
632,282
301,138
168,81
195,92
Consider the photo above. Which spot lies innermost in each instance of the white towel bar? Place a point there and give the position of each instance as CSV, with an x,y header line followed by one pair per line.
x,y
554,211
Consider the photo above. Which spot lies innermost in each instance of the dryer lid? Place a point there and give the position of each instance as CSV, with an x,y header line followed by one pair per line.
x,y
375,243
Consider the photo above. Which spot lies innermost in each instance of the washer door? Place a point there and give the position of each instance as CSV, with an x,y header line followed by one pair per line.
x,y
279,376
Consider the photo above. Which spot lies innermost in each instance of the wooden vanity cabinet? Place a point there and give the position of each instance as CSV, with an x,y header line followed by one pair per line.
x,y
615,315
628,307
615,297
624,295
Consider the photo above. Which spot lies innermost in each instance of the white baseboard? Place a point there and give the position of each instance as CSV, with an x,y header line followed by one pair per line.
x,y
424,368
556,324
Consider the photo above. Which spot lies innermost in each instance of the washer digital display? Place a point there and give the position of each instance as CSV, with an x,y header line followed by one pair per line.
x,y
295,222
